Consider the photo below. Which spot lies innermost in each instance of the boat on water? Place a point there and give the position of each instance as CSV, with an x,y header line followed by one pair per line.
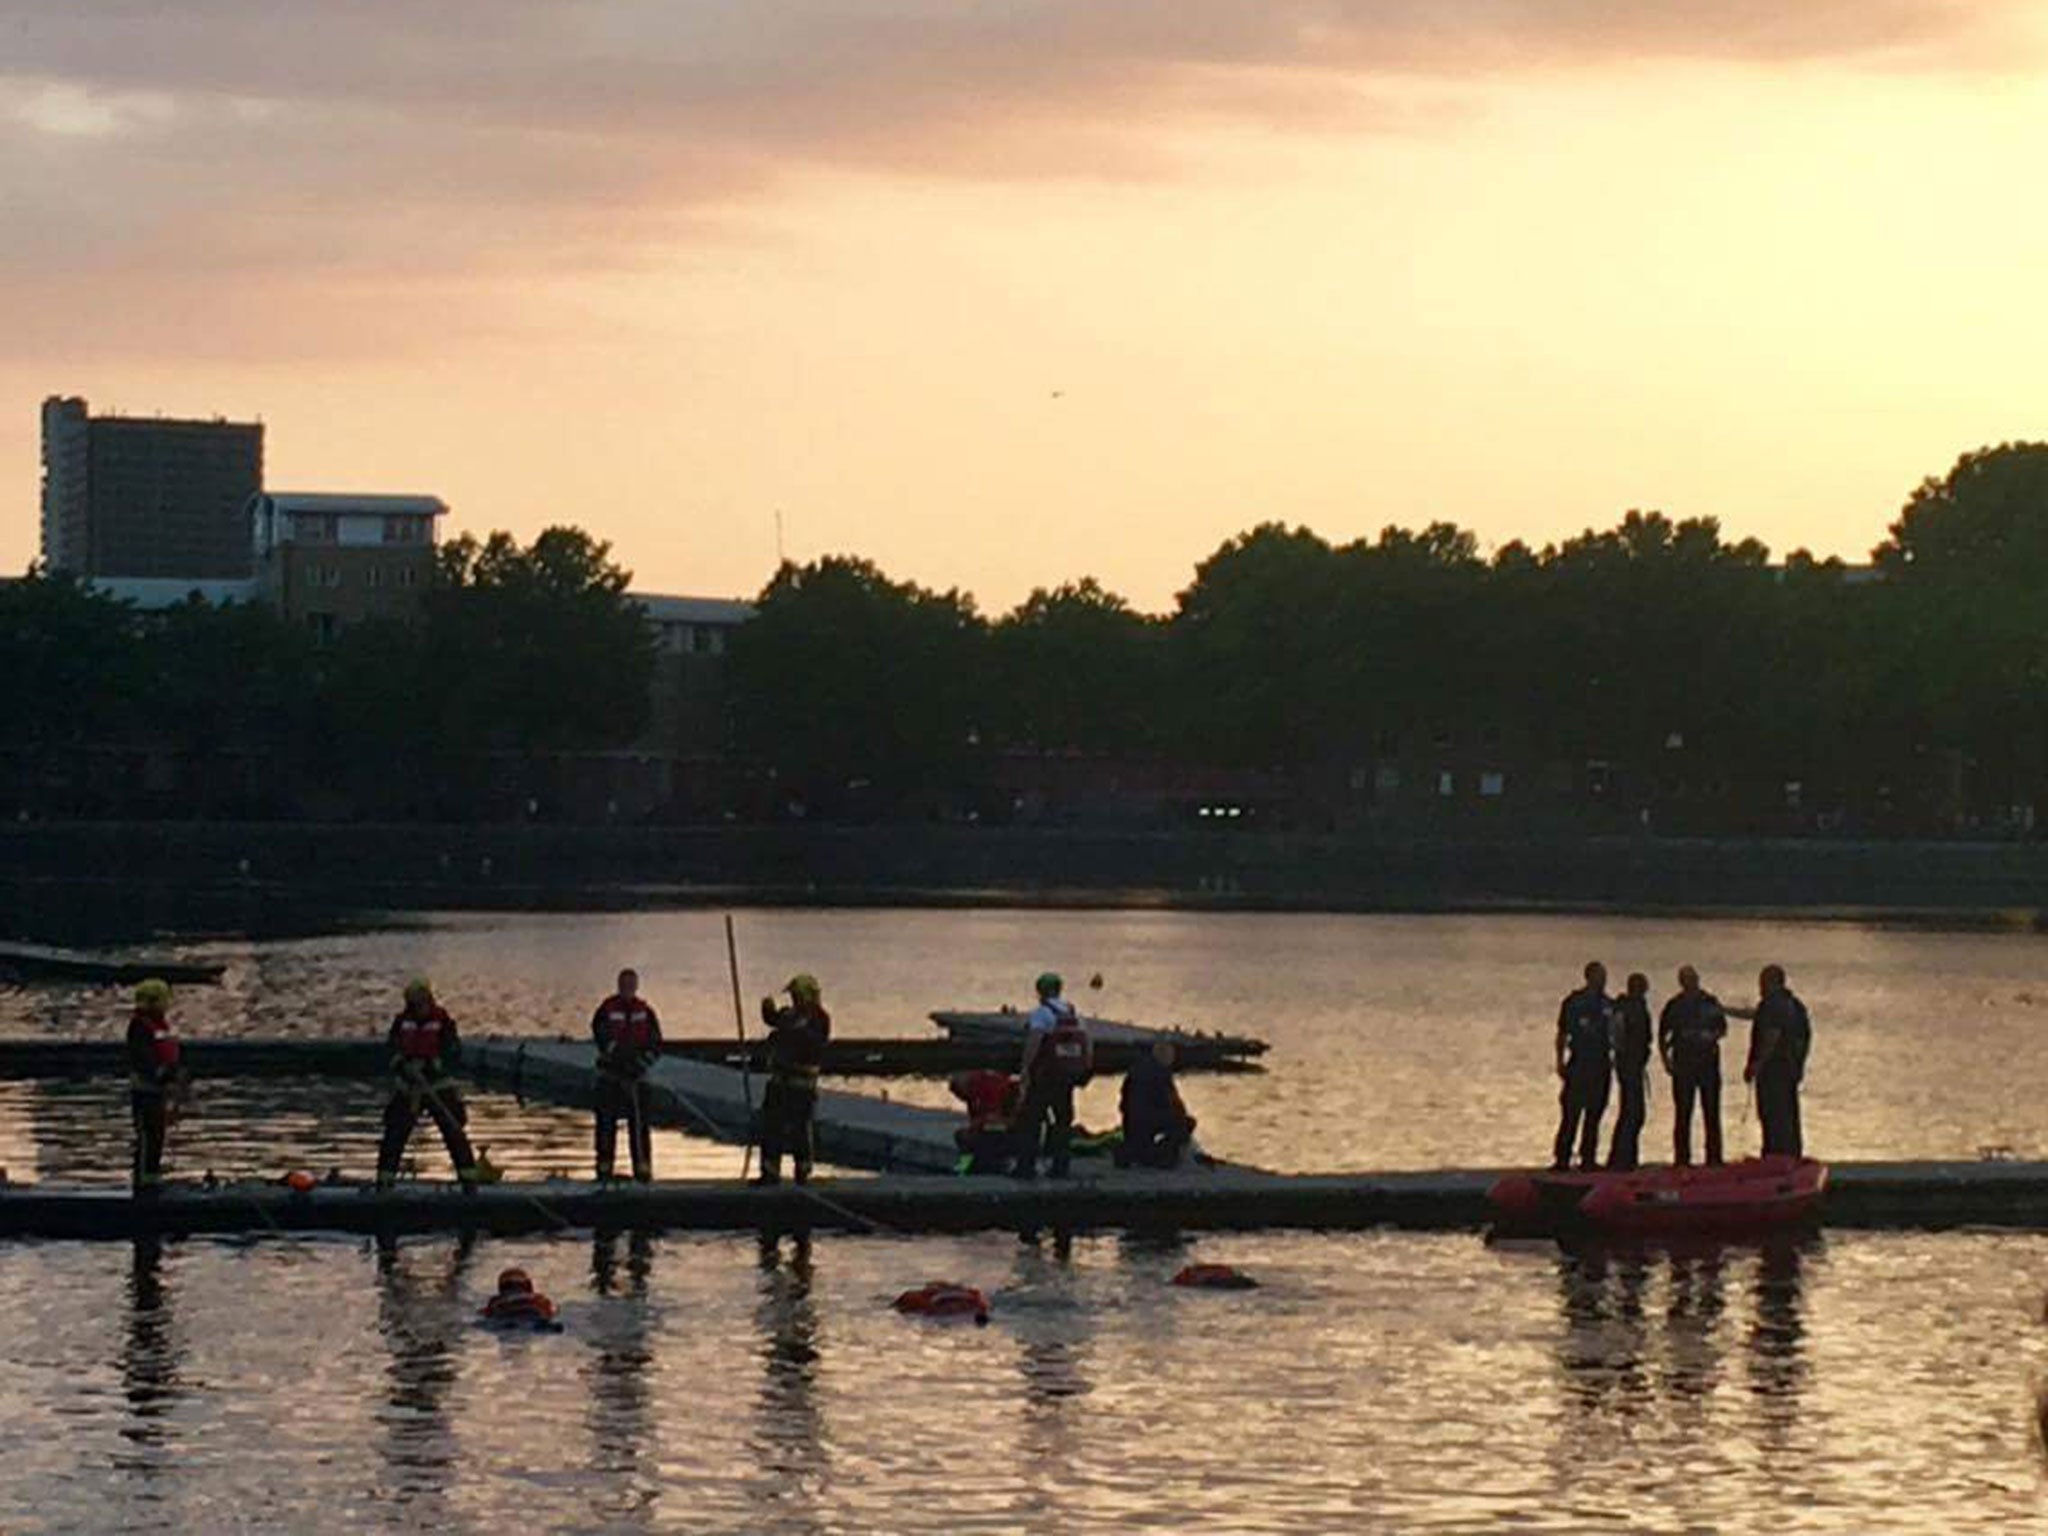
x,y
1755,1195
1195,1047
47,962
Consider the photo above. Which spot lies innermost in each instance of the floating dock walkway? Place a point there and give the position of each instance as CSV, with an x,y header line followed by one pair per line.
x,y
367,1057
850,1129
50,963
1860,1195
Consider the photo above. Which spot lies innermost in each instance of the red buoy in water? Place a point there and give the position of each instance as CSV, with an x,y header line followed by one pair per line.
x,y
1215,1277
943,1298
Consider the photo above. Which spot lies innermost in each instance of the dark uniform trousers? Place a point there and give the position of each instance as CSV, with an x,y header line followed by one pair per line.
x,y
788,1108
1777,1106
151,1110
1696,1078
1626,1151
1046,1127
1582,1101
444,1104
620,1097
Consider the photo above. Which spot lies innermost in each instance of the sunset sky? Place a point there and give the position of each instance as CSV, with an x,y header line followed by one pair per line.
x,y
1004,292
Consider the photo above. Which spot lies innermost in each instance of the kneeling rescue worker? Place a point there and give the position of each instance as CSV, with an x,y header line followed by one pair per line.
x,y
796,1050
1157,1125
628,1037
1058,1058
987,1139
424,1049
154,1076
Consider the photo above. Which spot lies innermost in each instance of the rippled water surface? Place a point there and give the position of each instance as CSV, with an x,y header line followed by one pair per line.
x,y
1375,1382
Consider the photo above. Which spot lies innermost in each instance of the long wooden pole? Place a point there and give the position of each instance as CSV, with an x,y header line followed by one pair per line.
x,y
739,1024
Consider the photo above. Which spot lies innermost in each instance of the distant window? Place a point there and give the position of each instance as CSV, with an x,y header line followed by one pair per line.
x,y
313,528
330,575
1492,785
322,625
374,576
408,576
1386,779
1446,783
703,640
401,529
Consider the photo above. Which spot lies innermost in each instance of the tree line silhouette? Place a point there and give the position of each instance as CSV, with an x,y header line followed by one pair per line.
x,y
1649,673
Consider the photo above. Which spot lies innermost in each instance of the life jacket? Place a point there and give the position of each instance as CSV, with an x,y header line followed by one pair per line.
x,y
943,1298
1701,1025
1064,1052
163,1041
520,1307
1795,1031
796,1046
1588,1025
628,1028
421,1040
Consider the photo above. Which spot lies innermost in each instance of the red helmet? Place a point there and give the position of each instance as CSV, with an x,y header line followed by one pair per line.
x,y
514,1280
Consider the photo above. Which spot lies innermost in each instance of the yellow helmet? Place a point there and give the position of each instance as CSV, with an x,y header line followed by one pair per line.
x,y
804,986
153,994
418,990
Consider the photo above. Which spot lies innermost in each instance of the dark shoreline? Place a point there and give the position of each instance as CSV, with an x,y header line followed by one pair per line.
x,y
98,880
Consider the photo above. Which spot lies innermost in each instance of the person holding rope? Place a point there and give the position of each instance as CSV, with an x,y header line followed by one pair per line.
x,y
424,1052
155,1077
628,1037
796,1050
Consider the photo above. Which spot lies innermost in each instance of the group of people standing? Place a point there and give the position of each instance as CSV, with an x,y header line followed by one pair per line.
x,y
1605,1043
628,1038
426,1051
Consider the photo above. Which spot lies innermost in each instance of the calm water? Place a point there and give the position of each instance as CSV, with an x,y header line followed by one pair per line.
x,y
1398,1382
1397,1041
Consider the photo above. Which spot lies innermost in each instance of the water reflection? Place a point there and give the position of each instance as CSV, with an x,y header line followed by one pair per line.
x,y
1604,1351
150,1356
1053,1332
1619,1350
423,1320
620,1417
1777,1339
789,1430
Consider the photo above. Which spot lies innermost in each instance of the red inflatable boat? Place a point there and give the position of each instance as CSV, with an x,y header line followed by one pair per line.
x,y
1754,1195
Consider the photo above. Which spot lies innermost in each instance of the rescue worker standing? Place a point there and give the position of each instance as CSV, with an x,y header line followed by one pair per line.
x,y
628,1037
1058,1058
154,1076
796,1050
1779,1039
1631,1072
424,1050
1585,1065
1689,1032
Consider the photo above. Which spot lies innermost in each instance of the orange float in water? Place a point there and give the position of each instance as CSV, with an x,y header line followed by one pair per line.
x,y
518,1302
942,1298
300,1182
1215,1277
